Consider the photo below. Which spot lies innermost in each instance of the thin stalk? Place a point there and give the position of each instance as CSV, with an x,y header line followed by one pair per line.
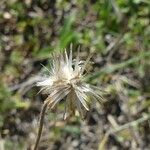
x,y
120,128
41,121
130,124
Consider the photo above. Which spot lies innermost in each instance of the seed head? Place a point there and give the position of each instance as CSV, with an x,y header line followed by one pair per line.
x,y
66,82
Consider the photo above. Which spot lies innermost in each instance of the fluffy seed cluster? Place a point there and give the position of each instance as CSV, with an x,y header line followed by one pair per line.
x,y
65,82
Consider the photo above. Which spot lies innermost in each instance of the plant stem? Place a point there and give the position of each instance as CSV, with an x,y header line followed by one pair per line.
x,y
120,128
131,124
41,121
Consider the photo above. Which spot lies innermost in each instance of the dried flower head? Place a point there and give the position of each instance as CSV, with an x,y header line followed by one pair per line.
x,y
66,82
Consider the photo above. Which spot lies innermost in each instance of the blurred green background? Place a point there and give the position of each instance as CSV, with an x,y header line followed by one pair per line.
x,y
117,32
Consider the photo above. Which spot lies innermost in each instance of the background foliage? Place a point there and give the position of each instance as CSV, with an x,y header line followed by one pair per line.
x,y
117,32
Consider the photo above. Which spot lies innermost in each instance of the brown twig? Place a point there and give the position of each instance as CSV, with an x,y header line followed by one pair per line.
x,y
120,128
41,121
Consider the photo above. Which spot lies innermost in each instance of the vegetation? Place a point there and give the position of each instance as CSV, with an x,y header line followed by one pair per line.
x,y
116,32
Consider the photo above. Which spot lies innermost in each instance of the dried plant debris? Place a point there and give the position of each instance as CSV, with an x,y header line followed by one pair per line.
x,y
116,33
